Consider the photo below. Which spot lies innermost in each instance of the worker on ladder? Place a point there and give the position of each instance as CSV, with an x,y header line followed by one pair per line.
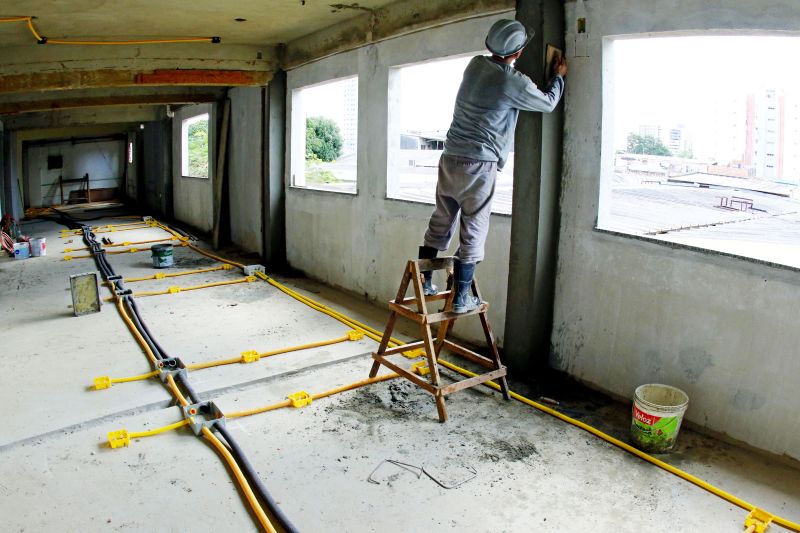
x,y
491,94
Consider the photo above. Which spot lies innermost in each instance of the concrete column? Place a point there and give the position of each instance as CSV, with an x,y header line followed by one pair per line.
x,y
274,202
534,222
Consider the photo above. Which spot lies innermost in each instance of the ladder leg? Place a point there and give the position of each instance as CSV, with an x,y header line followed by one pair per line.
x,y
374,370
495,354
441,408
430,353
387,334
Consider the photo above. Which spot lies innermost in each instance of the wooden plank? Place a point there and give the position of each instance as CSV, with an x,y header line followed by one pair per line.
x,y
430,354
435,318
403,348
13,108
405,373
470,355
419,293
410,300
89,79
408,313
471,382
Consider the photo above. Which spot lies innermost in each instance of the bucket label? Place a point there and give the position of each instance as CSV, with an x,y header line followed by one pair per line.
x,y
644,418
654,433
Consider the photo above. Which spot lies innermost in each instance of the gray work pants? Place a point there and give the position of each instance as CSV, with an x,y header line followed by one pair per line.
x,y
465,187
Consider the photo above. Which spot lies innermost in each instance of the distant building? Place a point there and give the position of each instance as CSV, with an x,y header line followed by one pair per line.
x,y
651,130
350,113
420,140
765,134
677,139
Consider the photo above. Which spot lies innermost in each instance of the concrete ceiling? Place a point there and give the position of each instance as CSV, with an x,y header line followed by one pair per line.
x,y
268,22
54,81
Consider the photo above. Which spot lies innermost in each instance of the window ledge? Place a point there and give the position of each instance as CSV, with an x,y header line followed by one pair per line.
x,y
698,249
328,191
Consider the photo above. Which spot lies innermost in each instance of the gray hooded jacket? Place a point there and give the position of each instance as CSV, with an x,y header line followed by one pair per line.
x,y
488,103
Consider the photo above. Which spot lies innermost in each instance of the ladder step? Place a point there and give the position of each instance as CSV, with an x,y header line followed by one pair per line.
x,y
435,318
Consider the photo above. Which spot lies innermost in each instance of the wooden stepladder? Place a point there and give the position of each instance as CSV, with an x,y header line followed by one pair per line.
x,y
416,309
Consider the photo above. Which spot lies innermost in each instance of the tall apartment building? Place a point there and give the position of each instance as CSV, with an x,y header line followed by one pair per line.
x,y
765,134
350,116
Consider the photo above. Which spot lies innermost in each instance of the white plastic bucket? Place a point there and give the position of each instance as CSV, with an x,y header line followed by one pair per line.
x,y
657,415
162,255
22,250
38,246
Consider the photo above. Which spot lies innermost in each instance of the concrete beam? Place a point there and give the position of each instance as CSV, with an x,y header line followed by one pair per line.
x,y
32,58
56,104
376,25
81,117
49,81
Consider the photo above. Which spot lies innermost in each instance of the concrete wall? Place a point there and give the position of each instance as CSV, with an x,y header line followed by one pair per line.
x,y
630,311
361,242
245,167
193,197
103,160
156,164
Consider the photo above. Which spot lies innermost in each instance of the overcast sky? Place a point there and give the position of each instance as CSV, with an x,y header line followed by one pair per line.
x,y
428,92
682,80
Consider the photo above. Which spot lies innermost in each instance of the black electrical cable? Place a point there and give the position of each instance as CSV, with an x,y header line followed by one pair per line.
x,y
239,456
135,309
142,330
188,388
255,480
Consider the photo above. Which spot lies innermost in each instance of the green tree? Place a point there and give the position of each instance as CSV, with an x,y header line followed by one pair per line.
x,y
197,140
686,154
646,144
323,139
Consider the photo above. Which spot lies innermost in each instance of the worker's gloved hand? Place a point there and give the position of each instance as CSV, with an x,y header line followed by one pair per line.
x,y
561,66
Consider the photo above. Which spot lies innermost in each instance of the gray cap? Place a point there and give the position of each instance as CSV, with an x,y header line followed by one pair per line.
x,y
507,37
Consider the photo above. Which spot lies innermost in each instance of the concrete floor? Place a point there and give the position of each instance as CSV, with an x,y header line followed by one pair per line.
x,y
534,473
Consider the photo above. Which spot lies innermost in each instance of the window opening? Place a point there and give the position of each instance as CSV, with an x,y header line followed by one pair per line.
x,y
325,136
195,147
421,100
717,166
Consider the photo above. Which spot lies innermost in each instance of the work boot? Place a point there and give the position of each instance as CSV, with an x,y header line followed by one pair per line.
x,y
464,302
428,288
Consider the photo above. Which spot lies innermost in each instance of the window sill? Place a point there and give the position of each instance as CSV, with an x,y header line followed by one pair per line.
x,y
697,249
319,189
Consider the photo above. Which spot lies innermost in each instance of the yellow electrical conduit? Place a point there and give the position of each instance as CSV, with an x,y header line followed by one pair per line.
x,y
162,275
308,398
253,356
245,486
124,314
126,243
628,448
105,382
376,335
44,40
112,252
121,437
237,472
176,290
109,229
116,252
